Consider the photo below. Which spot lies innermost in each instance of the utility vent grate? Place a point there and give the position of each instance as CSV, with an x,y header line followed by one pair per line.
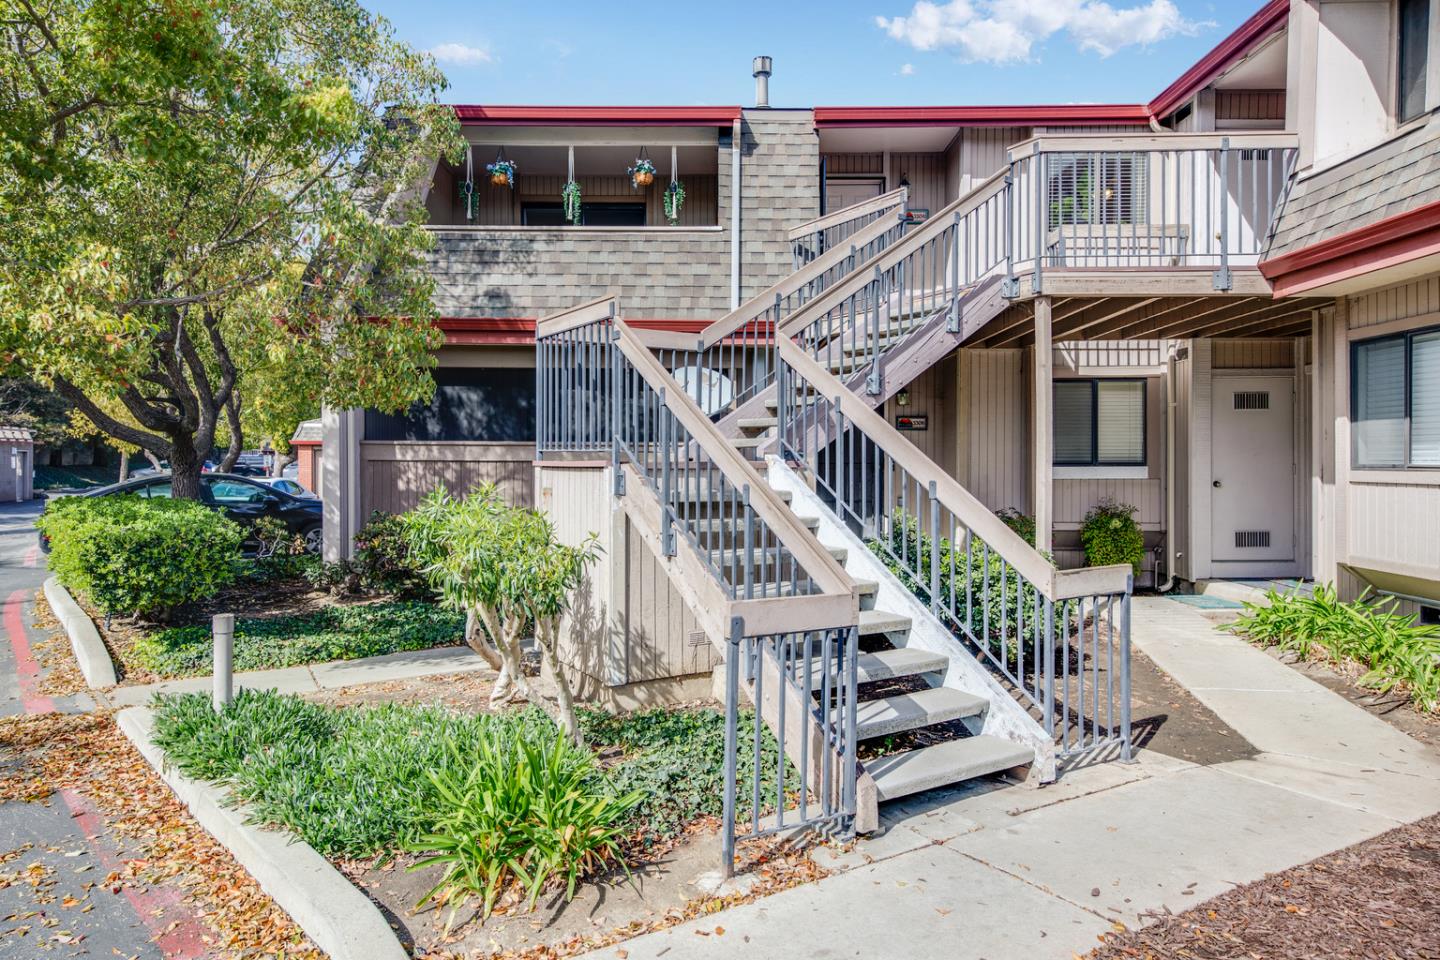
x,y
696,638
1251,539
1252,400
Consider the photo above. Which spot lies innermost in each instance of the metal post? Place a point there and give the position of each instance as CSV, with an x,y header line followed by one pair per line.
x,y
616,393
934,549
1125,751
1010,287
872,381
952,324
667,509
847,775
222,626
732,736
1049,641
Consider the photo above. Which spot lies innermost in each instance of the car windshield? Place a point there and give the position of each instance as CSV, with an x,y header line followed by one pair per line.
x,y
234,491
155,491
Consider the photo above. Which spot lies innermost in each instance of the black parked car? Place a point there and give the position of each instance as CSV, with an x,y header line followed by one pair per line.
x,y
242,500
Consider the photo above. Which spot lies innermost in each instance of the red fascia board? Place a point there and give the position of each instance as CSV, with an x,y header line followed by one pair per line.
x,y
1054,115
520,331
306,443
522,116
1394,240
1267,21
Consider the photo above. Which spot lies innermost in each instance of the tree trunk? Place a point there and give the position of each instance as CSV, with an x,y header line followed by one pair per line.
x,y
545,631
280,461
124,467
154,460
185,468
475,639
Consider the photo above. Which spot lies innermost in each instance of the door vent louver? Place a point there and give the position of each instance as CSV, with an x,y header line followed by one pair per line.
x,y
1252,400
1252,539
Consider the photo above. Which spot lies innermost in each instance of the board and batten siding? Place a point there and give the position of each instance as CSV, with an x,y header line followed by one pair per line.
x,y
992,425
1419,298
395,475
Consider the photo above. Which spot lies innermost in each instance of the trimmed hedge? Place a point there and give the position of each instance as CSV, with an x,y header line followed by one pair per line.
x,y
131,555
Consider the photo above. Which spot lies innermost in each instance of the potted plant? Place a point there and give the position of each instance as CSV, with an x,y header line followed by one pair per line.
x,y
673,200
467,198
642,171
502,171
570,197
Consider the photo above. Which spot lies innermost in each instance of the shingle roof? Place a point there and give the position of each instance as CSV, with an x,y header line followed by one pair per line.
x,y
309,431
1397,176
15,435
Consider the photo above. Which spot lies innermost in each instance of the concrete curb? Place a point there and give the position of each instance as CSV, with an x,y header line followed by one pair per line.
x,y
90,652
337,917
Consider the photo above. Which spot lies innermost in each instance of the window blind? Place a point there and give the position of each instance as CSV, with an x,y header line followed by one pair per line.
x,y
1073,441
1379,401
1425,400
1120,417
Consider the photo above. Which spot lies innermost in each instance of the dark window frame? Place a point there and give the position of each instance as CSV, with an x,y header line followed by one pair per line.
x,y
1408,337
1094,460
1403,66
551,206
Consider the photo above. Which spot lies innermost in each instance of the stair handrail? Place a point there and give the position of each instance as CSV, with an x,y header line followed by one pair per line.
x,y
855,211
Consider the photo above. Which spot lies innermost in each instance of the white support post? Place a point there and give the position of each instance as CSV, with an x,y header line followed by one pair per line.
x,y
222,626
1042,427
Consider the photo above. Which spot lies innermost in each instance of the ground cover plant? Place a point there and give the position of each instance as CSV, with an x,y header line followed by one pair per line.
x,y
129,555
478,790
328,633
1396,652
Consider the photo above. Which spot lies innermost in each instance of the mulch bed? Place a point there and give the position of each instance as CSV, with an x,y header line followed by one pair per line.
x,y
1378,899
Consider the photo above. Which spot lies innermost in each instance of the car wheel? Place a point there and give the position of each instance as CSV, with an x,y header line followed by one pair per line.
x,y
314,538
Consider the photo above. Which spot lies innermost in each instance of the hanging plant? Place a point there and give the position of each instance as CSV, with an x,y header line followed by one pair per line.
x,y
502,173
570,197
642,171
467,198
674,200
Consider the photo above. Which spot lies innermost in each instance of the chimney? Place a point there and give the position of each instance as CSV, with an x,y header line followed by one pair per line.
x,y
761,70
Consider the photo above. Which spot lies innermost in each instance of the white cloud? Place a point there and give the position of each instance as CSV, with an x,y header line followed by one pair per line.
x,y
1007,31
460,55
907,69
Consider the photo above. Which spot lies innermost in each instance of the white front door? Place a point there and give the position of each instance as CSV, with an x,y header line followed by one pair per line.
x,y
840,194
1252,462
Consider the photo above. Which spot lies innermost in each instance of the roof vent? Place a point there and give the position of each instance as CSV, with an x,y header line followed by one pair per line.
x,y
761,70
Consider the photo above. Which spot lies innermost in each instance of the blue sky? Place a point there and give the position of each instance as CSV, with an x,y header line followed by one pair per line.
x,y
844,52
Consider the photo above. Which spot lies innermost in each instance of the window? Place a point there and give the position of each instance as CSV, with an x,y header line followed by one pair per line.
x,y
1094,188
548,214
469,403
1099,423
234,491
159,490
1395,400
1414,43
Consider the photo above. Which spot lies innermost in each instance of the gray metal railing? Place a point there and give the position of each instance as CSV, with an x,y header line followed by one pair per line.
x,y
789,610
1059,639
812,239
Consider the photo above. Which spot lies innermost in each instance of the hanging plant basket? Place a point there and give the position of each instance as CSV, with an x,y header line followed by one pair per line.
x,y
570,197
502,171
674,200
642,171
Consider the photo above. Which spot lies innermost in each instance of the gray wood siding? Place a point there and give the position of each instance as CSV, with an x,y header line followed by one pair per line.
x,y
1253,354
1394,526
1250,105
394,476
993,428
663,638
926,173
1403,301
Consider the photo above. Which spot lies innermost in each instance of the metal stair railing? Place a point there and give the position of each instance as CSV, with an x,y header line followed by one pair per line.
x,y
780,609
815,237
732,361
1059,638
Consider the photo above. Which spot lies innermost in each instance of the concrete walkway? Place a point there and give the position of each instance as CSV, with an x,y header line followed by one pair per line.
x,y
983,872
315,677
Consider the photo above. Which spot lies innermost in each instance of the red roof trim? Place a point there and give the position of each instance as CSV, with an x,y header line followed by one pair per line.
x,y
520,331
480,115
1054,115
1267,21
1405,236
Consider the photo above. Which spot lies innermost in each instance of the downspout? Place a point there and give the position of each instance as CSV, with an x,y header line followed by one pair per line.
x,y
735,143
1169,583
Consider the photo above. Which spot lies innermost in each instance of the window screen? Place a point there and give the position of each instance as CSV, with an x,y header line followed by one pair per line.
x,y
1425,400
1414,42
1099,422
470,403
1379,403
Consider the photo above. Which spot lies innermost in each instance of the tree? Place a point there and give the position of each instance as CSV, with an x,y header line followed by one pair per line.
x,y
503,566
208,202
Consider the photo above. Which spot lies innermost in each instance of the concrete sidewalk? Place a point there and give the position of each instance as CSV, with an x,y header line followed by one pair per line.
x,y
982,872
318,676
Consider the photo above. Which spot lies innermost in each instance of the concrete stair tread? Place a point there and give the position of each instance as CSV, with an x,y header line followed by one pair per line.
x,y
942,764
748,443
715,524
899,662
757,423
702,491
873,622
722,556
907,711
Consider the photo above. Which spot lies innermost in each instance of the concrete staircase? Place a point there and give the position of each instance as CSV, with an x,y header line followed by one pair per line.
x,y
915,733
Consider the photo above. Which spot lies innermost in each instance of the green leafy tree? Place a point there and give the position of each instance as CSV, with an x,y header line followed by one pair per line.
x,y
210,204
503,566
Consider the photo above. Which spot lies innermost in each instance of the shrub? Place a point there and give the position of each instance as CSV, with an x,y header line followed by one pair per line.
x,y
131,555
1021,523
519,812
1111,535
330,633
1397,652
383,561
